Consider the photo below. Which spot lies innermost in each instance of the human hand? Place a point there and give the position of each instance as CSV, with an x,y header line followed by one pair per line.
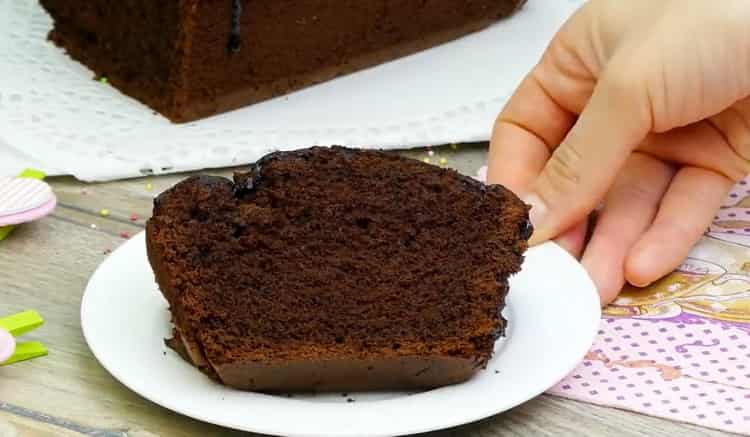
x,y
641,107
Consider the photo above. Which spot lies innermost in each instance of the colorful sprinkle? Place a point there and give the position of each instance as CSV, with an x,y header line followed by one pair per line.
x,y
92,226
149,187
133,217
430,153
104,80
125,234
443,161
104,212
427,160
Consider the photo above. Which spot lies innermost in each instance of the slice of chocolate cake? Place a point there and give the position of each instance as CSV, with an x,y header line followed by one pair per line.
x,y
189,59
335,269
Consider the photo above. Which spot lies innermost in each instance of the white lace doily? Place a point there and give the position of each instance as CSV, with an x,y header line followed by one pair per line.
x,y
52,112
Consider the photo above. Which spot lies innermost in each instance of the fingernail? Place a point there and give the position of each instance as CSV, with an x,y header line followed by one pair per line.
x,y
640,284
639,266
606,276
537,215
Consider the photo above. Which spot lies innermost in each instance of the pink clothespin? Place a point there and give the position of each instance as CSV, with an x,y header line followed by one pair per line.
x,y
23,199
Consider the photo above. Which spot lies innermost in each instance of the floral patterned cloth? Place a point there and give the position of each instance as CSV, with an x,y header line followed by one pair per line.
x,y
680,348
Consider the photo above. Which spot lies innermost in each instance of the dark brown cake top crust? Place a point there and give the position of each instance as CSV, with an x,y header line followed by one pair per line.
x,y
331,253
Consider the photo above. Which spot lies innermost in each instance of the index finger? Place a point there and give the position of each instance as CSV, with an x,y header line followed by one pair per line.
x,y
524,135
543,109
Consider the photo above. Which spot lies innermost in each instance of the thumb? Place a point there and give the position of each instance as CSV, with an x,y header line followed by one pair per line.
x,y
580,171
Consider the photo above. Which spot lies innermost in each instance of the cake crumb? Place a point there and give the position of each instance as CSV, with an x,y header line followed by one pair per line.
x,y
349,400
496,372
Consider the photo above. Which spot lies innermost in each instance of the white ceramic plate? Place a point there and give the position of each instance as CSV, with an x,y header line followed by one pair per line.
x,y
553,312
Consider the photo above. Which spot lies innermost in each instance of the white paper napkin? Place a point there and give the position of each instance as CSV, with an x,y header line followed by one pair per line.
x,y
54,116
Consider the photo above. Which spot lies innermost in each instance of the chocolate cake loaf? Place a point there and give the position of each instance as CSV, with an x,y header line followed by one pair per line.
x,y
335,269
189,59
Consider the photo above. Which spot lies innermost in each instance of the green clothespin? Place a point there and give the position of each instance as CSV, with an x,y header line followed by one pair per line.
x,y
28,173
17,325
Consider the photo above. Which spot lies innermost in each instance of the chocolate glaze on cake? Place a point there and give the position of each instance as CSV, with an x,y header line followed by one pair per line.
x,y
190,59
334,269
235,41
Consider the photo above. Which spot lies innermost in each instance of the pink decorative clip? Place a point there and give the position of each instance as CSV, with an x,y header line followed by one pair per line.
x,y
23,199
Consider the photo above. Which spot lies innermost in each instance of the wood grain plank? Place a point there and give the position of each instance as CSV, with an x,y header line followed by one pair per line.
x,y
12,425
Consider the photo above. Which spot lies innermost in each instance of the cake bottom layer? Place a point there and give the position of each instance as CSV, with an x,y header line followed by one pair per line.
x,y
332,375
348,375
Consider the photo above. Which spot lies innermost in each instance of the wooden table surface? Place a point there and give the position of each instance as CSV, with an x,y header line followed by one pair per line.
x,y
45,266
